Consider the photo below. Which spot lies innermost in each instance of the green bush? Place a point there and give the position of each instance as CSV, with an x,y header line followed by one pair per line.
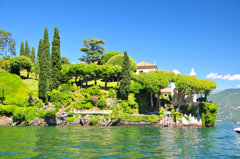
x,y
88,105
111,93
70,114
40,114
93,121
209,113
126,108
74,87
64,87
7,110
138,118
135,87
94,91
23,114
131,101
108,55
102,103
56,96
70,119
50,114
39,103
118,60
57,105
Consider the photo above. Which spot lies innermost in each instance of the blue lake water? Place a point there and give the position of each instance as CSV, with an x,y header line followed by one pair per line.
x,y
119,142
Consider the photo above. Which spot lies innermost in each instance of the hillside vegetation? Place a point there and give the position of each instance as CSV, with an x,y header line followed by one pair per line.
x,y
229,103
16,91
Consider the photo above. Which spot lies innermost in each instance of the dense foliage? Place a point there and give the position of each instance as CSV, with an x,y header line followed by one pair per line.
x,y
108,55
209,114
19,63
126,79
56,64
45,69
118,60
93,50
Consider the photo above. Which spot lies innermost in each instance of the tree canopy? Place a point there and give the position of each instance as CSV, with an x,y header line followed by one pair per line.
x,y
7,43
19,63
118,60
93,50
108,55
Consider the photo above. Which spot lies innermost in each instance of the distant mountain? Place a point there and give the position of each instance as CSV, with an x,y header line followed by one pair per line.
x,y
229,103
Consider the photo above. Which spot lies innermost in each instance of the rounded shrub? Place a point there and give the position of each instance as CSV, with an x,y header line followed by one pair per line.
x,y
102,103
50,114
70,114
118,60
108,55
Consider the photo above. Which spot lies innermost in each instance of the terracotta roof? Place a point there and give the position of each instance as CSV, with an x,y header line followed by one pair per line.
x,y
165,90
145,64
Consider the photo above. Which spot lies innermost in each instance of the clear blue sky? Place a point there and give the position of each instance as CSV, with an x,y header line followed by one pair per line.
x,y
177,34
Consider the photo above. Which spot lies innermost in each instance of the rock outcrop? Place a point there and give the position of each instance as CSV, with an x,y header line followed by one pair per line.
x,y
6,121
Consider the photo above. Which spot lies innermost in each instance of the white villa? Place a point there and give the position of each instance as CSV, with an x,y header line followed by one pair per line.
x,y
169,91
145,67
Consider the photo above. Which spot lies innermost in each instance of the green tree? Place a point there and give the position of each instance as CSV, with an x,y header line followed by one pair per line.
x,y
44,74
40,50
33,56
126,78
19,63
22,51
108,55
93,50
7,43
118,60
56,60
107,72
27,49
65,60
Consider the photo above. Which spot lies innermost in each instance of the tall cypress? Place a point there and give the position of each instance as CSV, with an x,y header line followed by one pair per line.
x,y
22,51
33,59
45,66
27,49
40,50
46,50
126,78
42,73
56,60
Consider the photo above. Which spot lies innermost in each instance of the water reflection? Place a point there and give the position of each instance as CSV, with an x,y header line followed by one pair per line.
x,y
118,142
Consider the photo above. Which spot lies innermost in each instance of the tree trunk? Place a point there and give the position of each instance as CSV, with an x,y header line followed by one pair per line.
x,y
75,79
27,74
158,100
105,84
86,83
95,82
81,81
151,101
117,81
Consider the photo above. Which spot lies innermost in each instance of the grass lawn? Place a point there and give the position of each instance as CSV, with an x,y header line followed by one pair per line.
x,y
31,83
16,91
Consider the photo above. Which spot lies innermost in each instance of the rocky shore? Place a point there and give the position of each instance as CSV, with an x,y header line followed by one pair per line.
x,y
85,120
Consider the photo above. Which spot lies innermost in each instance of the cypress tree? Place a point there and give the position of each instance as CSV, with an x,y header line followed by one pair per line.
x,y
22,51
42,73
46,50
33,59
45,66
126,78
27,49
56,60
40,50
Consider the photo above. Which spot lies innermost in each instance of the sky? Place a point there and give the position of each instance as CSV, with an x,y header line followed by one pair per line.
x,y
176,34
